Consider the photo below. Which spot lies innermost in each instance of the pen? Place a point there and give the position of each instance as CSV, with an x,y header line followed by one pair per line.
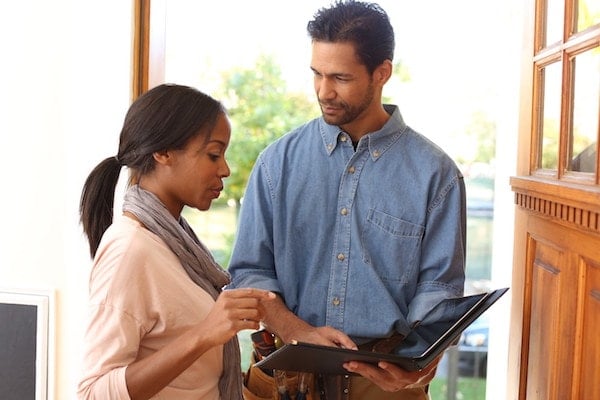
x,y
281,381
280,376
302,386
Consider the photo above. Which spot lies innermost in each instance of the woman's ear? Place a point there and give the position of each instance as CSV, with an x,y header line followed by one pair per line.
x,y
163,157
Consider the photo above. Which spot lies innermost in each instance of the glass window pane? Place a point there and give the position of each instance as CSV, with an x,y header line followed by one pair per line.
x,y
588,14
554,21
551,96
586,106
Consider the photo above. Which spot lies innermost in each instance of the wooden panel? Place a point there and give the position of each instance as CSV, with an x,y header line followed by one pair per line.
x,y
552,323
560,350
544,321
590,348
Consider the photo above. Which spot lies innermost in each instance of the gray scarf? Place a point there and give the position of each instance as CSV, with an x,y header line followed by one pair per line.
x,y
197,262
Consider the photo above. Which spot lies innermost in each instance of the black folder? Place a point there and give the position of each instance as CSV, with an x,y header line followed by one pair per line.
x,y
427,340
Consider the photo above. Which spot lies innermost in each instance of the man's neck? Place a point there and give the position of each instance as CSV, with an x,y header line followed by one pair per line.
x,y
371,121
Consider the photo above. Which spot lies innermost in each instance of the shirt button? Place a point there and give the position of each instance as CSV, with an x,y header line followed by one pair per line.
x,y
343,138
341,257
329,146
344,211
336,301
376,153
351,170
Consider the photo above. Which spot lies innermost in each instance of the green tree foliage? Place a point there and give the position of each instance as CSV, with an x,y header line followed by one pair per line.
x,y
483,131
401,72
261,109
478,140
587,16
550,137
550,144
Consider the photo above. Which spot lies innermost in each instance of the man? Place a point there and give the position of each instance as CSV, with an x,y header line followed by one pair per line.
x,y
354,219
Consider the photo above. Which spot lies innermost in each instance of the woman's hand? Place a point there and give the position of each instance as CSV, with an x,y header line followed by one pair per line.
x,y
235,310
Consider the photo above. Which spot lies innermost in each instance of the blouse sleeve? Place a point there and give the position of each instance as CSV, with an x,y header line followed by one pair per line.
x,y
111,343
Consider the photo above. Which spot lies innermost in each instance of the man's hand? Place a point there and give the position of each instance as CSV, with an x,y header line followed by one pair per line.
x,y
324,335
392,378
281,321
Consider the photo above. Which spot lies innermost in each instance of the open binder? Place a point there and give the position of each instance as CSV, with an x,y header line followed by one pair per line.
x,y
427,340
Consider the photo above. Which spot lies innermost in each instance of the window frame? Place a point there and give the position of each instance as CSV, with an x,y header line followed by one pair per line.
x,y
564,52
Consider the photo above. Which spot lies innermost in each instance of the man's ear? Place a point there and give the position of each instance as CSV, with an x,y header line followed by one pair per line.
x,y
163,157
383,72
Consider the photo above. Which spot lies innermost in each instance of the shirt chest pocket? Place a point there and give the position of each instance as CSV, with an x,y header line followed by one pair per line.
x,y
391,246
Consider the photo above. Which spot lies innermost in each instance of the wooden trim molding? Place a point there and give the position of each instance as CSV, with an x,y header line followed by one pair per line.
x,y
148,59
141,41
577,206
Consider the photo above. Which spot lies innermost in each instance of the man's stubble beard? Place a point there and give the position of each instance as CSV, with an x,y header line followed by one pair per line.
x,y
351,113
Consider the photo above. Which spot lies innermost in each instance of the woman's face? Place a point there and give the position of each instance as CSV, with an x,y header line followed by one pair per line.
x,y
194,176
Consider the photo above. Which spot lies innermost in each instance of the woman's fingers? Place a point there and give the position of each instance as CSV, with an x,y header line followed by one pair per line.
x,y
258,294
244,303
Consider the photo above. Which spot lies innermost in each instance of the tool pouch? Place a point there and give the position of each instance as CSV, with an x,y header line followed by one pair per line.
x,y
260,384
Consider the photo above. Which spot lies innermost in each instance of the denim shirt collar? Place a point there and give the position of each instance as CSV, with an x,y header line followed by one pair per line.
x,y
377,142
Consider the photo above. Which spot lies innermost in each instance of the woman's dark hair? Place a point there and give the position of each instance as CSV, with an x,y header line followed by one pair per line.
x,y
164,118
366,25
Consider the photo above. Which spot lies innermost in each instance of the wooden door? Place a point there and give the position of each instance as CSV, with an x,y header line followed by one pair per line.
x,y
555,345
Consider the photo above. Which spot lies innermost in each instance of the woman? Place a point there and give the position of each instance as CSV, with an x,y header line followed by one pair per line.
x,y
160,325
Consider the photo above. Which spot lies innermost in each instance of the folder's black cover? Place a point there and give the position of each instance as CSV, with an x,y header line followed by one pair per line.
x,y
427,340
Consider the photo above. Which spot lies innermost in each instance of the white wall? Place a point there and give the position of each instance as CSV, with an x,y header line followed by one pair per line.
x,y
65,73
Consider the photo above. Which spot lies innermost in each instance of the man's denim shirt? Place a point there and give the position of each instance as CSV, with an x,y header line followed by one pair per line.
x,y
365,241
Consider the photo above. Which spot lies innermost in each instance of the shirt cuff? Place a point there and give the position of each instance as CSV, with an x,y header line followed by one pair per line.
x,y
424,302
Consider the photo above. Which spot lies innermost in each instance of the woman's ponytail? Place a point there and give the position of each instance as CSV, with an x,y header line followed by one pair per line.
x,y
97,201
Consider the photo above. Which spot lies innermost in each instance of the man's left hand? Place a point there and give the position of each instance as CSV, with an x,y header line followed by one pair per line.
x,y
392,378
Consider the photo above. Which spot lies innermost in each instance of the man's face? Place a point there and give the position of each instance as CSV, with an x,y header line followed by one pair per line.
x,y
343,85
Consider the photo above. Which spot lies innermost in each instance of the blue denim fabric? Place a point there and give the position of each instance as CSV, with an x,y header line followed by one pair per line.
x,y
365,241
